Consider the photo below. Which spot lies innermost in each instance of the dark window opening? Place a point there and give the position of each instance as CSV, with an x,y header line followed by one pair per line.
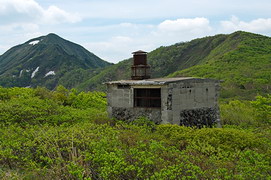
x,y
147,97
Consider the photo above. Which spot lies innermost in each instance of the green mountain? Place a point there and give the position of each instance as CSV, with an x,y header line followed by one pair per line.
x,y
241,60
48,61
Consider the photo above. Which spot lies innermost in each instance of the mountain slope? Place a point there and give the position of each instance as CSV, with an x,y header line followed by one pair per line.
x,y
241,59
48,61
245,70
163,61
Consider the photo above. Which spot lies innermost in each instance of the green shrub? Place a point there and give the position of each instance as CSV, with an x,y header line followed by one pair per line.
x,y
67,135
263,108
41,106
239,113
144,122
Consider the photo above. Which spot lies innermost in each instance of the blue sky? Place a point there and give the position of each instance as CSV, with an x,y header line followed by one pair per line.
x,y
112,29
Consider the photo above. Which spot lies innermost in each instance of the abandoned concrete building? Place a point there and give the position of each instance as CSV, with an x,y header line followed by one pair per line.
x,y
183,100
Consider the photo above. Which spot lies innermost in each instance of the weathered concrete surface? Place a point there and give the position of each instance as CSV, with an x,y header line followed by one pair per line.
x,y
117,97
130,114
184,101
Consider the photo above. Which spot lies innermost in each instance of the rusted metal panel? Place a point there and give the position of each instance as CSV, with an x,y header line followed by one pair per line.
x,y
140,68
140,72
140,59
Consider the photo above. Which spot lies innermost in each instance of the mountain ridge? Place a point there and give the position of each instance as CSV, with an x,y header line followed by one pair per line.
x,y
245,70
50,53
223,51
241,59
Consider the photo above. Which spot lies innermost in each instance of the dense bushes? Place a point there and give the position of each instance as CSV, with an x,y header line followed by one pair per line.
x,y
66,135
247,113
101,152
26,106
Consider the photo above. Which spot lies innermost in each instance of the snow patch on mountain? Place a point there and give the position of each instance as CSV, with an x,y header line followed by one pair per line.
x,y
34,42
21,72
50,73
34,72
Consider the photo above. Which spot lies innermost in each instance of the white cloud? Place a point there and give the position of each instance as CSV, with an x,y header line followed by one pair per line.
x,y
55,15
13,11
183,29
193,25
114,29
17,33
179,30
148,37
153,9
114,49
21,20
20,6
260,25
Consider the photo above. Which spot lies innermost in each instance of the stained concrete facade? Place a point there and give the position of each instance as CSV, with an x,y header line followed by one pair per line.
x,y
184,101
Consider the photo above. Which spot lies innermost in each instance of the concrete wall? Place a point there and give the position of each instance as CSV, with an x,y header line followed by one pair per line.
x,y
121,105
189,102
119,97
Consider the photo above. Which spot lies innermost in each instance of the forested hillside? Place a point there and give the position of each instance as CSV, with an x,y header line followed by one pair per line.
x,y
163,60
245,71
241,60
66,134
